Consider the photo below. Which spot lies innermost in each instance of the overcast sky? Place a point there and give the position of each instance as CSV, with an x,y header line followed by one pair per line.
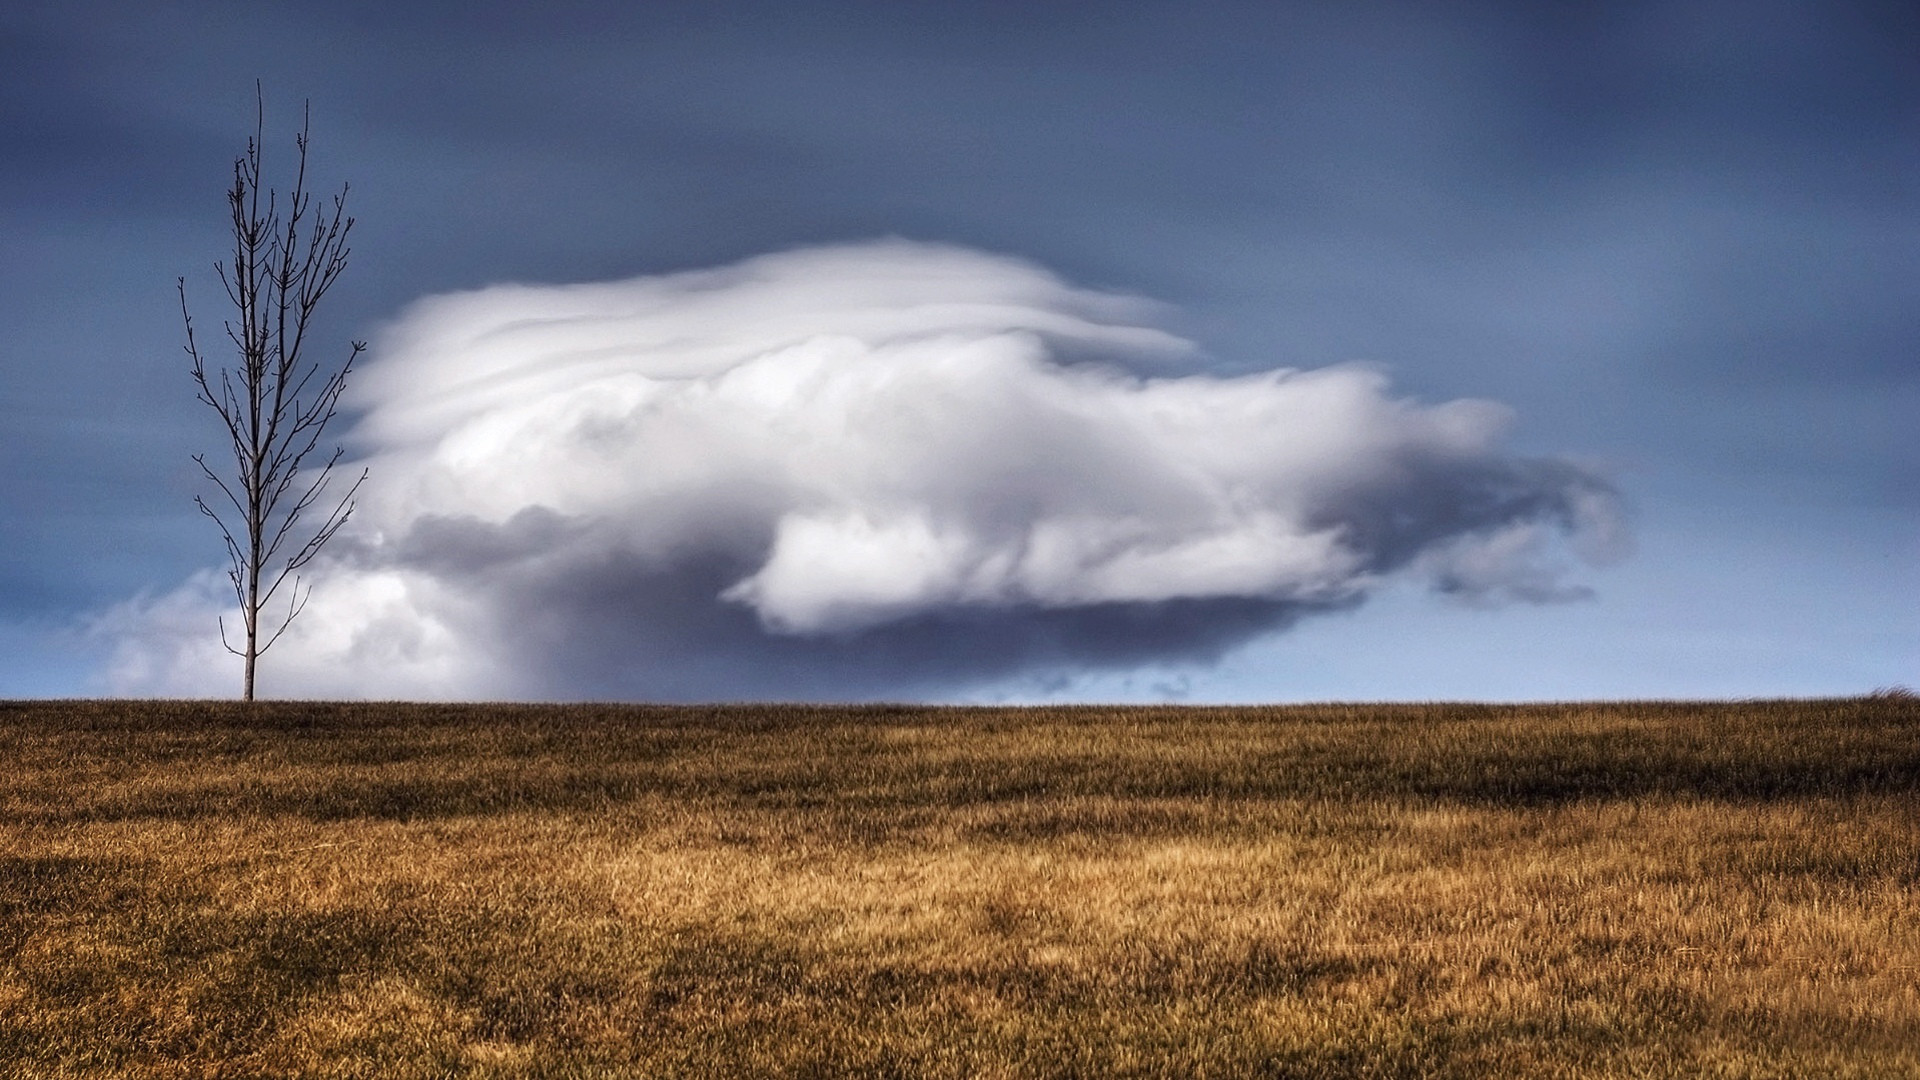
x,y
983,351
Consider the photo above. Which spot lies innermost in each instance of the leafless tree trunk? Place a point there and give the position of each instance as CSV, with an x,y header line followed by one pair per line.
x,y
276,402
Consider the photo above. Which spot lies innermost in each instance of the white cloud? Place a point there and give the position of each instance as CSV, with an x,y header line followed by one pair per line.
x,y
834,471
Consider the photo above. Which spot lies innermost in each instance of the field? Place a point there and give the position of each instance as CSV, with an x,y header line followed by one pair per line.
x,y
398,891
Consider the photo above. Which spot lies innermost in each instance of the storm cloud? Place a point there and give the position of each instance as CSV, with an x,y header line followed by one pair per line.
x,y
872,470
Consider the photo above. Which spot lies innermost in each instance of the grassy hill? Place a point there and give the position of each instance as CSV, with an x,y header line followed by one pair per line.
x,y
193,889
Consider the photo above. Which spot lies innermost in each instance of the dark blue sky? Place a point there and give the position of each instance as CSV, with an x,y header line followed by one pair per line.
x,y
1680,241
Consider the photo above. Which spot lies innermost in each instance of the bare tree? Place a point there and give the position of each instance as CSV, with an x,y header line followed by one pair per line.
x,y
276,402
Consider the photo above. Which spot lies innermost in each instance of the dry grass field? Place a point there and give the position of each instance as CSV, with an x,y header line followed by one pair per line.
x,y
399,891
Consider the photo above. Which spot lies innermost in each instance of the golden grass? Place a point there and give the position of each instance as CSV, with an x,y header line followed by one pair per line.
x,y
300,890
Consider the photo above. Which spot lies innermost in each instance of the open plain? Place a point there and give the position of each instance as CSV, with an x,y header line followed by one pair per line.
x,y
193,889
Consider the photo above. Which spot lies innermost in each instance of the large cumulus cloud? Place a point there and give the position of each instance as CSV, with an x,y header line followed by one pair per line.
x,y
880,469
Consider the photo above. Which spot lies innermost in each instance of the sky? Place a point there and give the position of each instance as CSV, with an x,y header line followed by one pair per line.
x,y
1193,351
